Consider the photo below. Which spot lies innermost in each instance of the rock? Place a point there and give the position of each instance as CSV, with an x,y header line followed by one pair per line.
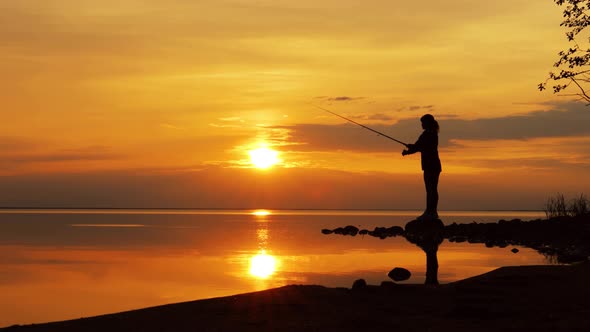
x,y
425,233
388,284
399,274
359,284
395,231
351,230
348,230
380,232
460,239
514,250
425,226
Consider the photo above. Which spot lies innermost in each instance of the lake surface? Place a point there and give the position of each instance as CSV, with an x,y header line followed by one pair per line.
x,y
64,264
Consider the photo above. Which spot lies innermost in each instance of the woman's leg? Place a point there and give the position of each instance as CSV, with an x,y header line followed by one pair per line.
x,y
431,184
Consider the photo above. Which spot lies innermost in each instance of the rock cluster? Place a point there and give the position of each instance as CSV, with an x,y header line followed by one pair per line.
x,y
348,230
566,239
380,232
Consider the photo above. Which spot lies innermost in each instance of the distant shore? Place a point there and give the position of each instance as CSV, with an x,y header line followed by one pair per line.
x,y
540,298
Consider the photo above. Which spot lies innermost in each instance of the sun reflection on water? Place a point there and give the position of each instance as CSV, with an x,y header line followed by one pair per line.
x,y
261,213
262,265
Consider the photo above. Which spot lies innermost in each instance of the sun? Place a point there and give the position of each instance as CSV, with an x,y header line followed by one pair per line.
x,y
264,158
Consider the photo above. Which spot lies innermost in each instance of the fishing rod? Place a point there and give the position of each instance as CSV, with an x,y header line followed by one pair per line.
x,y
358,124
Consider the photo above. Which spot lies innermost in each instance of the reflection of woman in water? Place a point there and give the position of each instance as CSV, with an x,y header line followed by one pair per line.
x,y
427,145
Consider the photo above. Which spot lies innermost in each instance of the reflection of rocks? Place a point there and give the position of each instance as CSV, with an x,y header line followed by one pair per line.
x,y
399,274
566,239
425,232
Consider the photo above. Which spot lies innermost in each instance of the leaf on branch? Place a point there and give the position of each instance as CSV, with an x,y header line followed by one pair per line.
x,y
575,59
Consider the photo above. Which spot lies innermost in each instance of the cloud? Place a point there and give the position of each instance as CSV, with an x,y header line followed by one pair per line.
x,y
40,261
373,117
380,117
12,159
339,98
212,187
344,98
217,125
280,188
62,156
229,122
232,119
562,120
419,107
568,119
15,144
171,126
349,137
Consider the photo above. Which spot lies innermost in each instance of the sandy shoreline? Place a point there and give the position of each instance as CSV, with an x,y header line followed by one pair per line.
x,y
540,298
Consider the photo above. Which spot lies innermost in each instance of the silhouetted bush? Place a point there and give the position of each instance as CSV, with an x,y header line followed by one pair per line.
x,y
556,206
579,206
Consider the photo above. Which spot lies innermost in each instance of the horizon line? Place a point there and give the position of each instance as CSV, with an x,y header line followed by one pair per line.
x,y
251,208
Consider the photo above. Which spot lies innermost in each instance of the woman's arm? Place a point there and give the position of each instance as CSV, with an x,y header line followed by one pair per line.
x,y
411,150
416,147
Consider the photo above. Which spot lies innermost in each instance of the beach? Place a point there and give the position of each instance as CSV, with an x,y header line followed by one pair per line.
x,y
533,298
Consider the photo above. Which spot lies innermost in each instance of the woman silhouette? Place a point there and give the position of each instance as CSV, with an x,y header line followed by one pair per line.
x,y
427,145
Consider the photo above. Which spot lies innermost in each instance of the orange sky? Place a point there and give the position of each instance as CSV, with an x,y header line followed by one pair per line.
x,y
156,104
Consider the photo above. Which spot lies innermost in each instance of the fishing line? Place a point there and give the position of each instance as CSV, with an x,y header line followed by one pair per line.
x,y
358,124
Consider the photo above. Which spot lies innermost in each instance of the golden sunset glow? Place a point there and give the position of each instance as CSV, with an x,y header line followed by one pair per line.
x,y
177,108
156,152
262,265
264,158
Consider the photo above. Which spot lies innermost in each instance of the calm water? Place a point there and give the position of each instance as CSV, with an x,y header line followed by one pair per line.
x,y
63,264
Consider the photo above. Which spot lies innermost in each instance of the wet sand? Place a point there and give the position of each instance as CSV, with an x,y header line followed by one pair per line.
x,y
525,298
